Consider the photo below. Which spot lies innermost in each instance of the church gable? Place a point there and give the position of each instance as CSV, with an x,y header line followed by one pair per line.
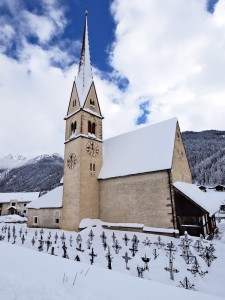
x,y
91,104
180,166
74,103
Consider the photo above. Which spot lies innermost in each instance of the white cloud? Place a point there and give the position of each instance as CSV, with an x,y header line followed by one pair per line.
x,y
174,52
40,26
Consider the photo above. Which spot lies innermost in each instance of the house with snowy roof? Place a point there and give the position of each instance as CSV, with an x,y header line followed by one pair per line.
x,y
126,180
16,203
46,210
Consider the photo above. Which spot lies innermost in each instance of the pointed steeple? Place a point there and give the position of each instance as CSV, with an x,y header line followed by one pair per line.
x,y
84,77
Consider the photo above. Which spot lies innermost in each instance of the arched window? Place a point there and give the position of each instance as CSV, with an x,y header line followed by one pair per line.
x,y
89,126
73,127
93,128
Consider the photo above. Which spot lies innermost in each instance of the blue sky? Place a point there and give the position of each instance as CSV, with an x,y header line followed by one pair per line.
x,y
151,61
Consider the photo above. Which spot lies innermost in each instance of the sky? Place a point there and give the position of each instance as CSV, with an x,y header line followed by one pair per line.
x,y
152,60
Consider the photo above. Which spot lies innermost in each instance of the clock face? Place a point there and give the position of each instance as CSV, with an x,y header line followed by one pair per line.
x,y
92,149
71,161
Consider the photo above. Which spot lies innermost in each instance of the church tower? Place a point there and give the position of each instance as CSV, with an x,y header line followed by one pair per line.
x,y
83,146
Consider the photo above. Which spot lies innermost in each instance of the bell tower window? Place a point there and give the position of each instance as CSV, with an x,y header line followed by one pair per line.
x,y
73,127
74,102
91,127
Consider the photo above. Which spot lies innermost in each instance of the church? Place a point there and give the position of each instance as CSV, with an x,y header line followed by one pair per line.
x,y
127,180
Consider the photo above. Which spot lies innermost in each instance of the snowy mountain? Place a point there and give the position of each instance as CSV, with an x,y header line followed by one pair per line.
x,y
19,174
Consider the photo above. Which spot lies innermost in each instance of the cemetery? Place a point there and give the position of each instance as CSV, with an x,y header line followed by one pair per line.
x,y
187,262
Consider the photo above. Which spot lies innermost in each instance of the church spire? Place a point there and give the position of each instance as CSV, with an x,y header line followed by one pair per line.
x,y
84,78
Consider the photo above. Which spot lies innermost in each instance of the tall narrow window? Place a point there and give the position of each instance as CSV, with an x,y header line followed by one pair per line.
x,y
93,167
93,128
89,126
90,166
73,127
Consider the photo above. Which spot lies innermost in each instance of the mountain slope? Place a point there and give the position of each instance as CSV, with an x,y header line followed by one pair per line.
x,y
206,155
38,174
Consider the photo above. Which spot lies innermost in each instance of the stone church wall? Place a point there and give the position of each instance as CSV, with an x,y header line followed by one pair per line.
x,y
180,167
143,198
46,217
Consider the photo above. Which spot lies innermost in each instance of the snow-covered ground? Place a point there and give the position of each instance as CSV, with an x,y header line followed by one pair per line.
x,y
28,274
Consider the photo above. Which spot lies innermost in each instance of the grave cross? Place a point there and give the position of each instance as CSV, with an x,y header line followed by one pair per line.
x,y
42,231
159,243
14,230
65,255
196,269
71,241
171,269
79,248
170,249
56,237
135,240
89,243
198,246
26,232
147,242
23,239
63,238
105,245
188,257
140,271
126,258
117,247
40,247
49,235
91,235
9,235
133,249
155,254
187,285
109,259
14,238
79,239
103,237
33,241
114,238
126,239
93,255
146,260
207,255
20,231
35,234
48,243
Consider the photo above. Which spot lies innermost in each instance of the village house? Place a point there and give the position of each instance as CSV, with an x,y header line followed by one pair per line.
x,y
16,203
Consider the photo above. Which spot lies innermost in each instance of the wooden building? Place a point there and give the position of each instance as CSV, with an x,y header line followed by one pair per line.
x,y
195,209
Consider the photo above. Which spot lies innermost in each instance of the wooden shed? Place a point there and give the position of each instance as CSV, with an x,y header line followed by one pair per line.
x,y
195,210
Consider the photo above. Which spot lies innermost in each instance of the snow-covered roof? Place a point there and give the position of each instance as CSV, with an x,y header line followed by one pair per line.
x,y
208,201
52,199
147,149
19,197
84,78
